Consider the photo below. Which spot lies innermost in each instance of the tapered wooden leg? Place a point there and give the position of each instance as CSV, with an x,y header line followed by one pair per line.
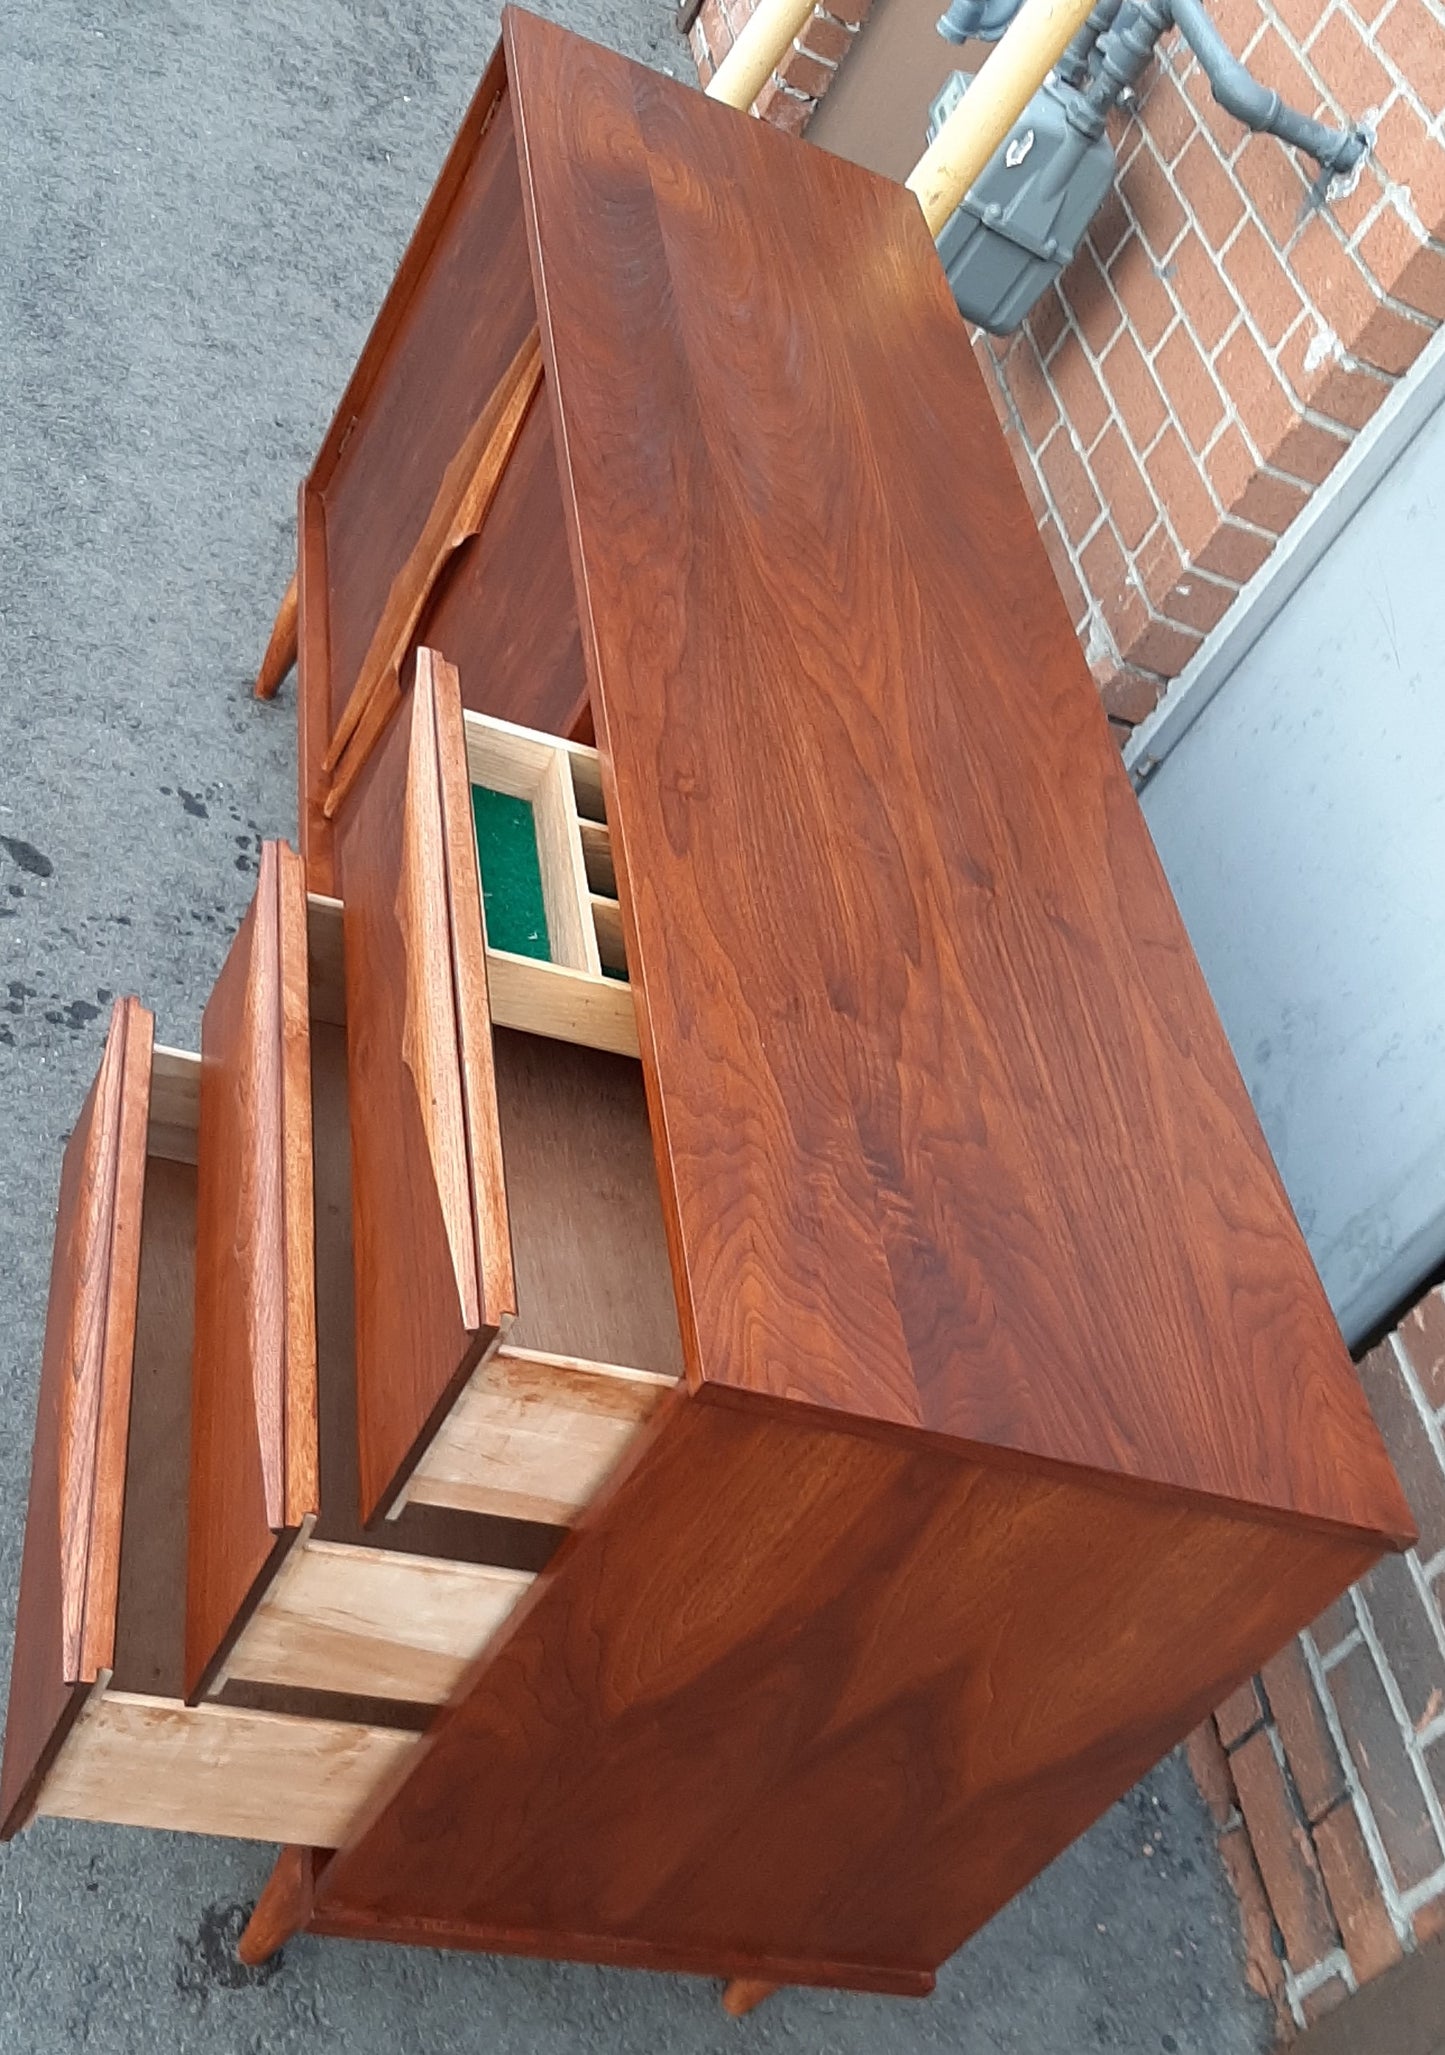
x,y
282,1909
743,1993
281,649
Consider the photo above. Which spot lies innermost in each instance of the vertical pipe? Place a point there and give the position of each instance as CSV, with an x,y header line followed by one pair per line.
x,y
1013,72
762,43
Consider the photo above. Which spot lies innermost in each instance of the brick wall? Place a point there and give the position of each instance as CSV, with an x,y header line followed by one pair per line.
x,y
1220,338
791,95
1326,1773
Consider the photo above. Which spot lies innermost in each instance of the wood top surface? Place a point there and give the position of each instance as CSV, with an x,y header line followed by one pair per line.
x,y
949,1134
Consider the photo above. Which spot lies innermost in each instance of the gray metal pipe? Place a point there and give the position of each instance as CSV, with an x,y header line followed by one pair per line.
x,y
1255,105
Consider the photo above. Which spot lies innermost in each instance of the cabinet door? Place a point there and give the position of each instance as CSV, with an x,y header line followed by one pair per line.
x,y
254,1434
432,1247
65,1623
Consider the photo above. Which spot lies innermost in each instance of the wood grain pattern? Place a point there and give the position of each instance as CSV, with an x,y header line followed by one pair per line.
x,y
254,1464
790,1693
283,1907
504,611
367,1620
70,1571
951,1135
139,1761
280,653
433,1259
535,1437
464,496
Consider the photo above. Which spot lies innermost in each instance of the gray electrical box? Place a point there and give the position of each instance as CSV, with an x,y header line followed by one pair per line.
x,y
1023,221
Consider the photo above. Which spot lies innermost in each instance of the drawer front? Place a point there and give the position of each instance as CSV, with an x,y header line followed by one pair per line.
x,y
432,1244
254,1463
69,1578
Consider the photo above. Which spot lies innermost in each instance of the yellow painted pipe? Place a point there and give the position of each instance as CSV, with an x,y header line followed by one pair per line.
x,y
1030,47
762,45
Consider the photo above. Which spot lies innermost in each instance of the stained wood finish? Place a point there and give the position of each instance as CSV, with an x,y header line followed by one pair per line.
x,y
433,1260
463,498
744,1995
504,610
909,974
254,1463
65,1624
282,1909
281,648
806,1695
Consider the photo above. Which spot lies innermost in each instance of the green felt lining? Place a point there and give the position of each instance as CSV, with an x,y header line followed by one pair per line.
x,y
511,874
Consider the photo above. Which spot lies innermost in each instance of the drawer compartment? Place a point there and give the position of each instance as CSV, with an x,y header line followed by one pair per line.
x,y
98,1727
505,1187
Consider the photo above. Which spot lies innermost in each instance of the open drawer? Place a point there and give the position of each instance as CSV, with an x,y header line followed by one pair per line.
x,y
98,1727
289,1591
513,1294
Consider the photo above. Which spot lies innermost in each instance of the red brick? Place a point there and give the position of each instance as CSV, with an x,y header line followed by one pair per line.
x,y
1308,452
1334,1624
701,57
1266,410
1352,204
1384,1769
1234,552
1271,176
1356,1898
1239,22
1076,504
1299,1718
1197,602
1210,193
1324,1999
1422,1336
1338,283
1109,226
1427,1923
1349,67
851,12
1158,564
1284,1852
1239,1715
1412,37
1176,477
1404,267
1398,1419
782,109
1026,464
1106,574
1135,391
1123,488
1369,11
1167,116
1048,321
1142,293
1160,647
1151,198
1300,17
1276,63
1407,1636
1209,1767
1262,1967
1091,298
1209,301
1065,576
1128,695
1264,286
806,74
1032,394
1081,396
827,39
1248,491
1347,393
1412,157
1190,387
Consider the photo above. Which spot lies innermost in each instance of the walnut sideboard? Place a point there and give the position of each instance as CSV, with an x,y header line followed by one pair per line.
x,y
717,1422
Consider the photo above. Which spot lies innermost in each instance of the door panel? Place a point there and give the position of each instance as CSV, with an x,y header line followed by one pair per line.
x,y
432,1247
254,1445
